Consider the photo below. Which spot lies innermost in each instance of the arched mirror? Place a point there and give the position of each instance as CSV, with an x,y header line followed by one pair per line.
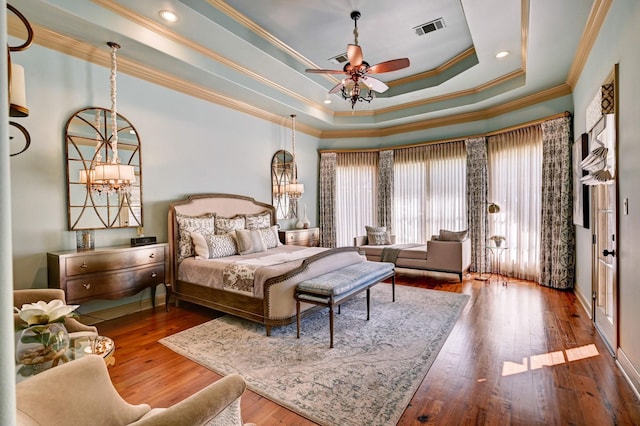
x,y
88,145
282,169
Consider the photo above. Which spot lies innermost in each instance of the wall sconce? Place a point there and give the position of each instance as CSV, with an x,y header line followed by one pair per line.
x,y
17,91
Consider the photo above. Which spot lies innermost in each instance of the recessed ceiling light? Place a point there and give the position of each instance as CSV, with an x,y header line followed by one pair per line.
x,y
168,16
327,101
502,54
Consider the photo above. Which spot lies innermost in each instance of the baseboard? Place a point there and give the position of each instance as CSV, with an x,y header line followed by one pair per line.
x,y
97,317
584,301
630,373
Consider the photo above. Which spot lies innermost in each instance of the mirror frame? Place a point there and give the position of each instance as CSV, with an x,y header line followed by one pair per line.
x,y
283,168
84,140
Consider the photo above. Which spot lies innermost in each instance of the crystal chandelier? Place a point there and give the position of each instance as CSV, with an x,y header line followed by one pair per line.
x,y
293,188
353,92
109,176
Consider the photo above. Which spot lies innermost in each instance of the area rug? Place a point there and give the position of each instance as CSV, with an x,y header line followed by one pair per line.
x,y
368,378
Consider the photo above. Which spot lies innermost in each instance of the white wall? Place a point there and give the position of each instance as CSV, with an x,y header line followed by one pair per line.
x,y
187,145
618,43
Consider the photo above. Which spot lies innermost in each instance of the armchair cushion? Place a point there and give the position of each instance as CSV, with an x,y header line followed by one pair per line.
x,y
80,393
76,393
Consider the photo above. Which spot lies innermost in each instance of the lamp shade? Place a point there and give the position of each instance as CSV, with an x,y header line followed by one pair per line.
x,y
116,173
295,188
18,100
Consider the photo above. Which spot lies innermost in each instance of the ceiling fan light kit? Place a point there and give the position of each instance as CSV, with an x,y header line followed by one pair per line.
x,y
358,86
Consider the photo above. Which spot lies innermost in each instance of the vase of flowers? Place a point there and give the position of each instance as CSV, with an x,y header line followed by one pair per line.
x,y
45,339
497,240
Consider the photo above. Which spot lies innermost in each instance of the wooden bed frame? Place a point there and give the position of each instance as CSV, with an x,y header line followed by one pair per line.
x,y
244,306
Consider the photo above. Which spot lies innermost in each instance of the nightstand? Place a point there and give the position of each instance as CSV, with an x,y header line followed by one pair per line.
x,y
309,237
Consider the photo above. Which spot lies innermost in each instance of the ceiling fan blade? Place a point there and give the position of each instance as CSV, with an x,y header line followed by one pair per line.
x,y
374,84
335,89
320,71
392,65
354,53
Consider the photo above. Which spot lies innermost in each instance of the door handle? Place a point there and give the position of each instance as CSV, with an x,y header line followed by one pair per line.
x,y
606,252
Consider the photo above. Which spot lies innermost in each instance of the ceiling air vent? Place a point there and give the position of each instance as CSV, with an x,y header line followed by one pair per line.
x,y
340,59
429,27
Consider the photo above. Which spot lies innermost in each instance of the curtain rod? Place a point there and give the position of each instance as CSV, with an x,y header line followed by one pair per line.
x,y
457,139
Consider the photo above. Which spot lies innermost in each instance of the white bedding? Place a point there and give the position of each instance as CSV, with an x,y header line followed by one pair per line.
x,y
245,274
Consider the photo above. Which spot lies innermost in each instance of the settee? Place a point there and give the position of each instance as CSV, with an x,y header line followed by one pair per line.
x,y
452,255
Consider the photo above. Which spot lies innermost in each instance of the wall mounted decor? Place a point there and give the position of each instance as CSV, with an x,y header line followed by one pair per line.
x,y
89,136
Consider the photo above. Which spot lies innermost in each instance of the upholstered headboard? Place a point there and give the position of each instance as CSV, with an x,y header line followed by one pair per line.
x,y
225,205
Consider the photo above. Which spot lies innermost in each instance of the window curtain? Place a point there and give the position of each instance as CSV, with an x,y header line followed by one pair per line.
x,y
411,183
447,187
477,187
429,191
557,259
356,195
515,179
327,199
385,189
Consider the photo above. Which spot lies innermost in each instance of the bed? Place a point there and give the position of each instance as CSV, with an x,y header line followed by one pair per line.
x,y
258,285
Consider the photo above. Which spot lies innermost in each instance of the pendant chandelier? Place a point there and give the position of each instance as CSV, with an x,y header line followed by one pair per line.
x,y
293,188
109,176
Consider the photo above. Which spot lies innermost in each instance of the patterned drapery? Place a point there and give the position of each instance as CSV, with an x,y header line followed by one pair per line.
x,y
327,199
477,185
385,189
557,247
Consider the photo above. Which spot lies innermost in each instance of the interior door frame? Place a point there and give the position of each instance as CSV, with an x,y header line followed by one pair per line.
x,y
612,346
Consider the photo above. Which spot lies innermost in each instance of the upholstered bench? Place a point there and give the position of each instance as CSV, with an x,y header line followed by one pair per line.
x,y
335,287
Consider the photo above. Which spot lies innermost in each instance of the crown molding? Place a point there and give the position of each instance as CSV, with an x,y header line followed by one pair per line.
x,y
596,19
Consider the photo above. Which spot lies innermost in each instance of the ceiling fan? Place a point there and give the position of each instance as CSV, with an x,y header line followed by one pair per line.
x,y
357,71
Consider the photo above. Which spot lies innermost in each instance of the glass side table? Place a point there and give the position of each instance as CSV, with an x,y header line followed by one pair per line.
x,y
84,345
496,260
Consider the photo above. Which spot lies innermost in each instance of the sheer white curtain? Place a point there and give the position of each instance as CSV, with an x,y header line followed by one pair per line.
x,y
515,184
429,191
356,195
447,187
411,194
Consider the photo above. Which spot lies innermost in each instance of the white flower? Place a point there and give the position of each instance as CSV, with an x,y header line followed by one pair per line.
x,y
44,313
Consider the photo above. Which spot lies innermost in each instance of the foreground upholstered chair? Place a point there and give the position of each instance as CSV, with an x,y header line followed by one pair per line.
x,y
33,295
81,393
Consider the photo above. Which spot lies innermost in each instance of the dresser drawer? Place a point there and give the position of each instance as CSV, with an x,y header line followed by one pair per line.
x,y
301,237
114,285
91,263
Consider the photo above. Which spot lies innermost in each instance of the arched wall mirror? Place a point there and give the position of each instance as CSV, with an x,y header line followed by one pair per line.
x,y
88,141
282,170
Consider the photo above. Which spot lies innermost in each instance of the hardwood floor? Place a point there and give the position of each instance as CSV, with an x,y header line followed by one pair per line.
x,y
520,354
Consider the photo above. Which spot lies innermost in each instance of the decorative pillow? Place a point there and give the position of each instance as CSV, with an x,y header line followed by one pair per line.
x,y
452,235
257,221
200,246
249,241
217,245
224,225
377,235
189,224
270,236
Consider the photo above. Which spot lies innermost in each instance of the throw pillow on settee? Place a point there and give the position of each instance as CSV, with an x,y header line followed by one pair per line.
x,y
377,235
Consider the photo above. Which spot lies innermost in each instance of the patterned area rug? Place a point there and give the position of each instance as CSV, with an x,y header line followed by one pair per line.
x,y
367,379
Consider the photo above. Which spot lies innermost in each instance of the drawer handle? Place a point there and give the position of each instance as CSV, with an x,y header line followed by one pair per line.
x,y
84,265
152,255
153,275
86,286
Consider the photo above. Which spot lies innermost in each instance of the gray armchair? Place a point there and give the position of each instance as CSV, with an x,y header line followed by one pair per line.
x,y
80,393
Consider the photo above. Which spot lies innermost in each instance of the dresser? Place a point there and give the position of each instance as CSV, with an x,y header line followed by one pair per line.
x,y
109,272
300,237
